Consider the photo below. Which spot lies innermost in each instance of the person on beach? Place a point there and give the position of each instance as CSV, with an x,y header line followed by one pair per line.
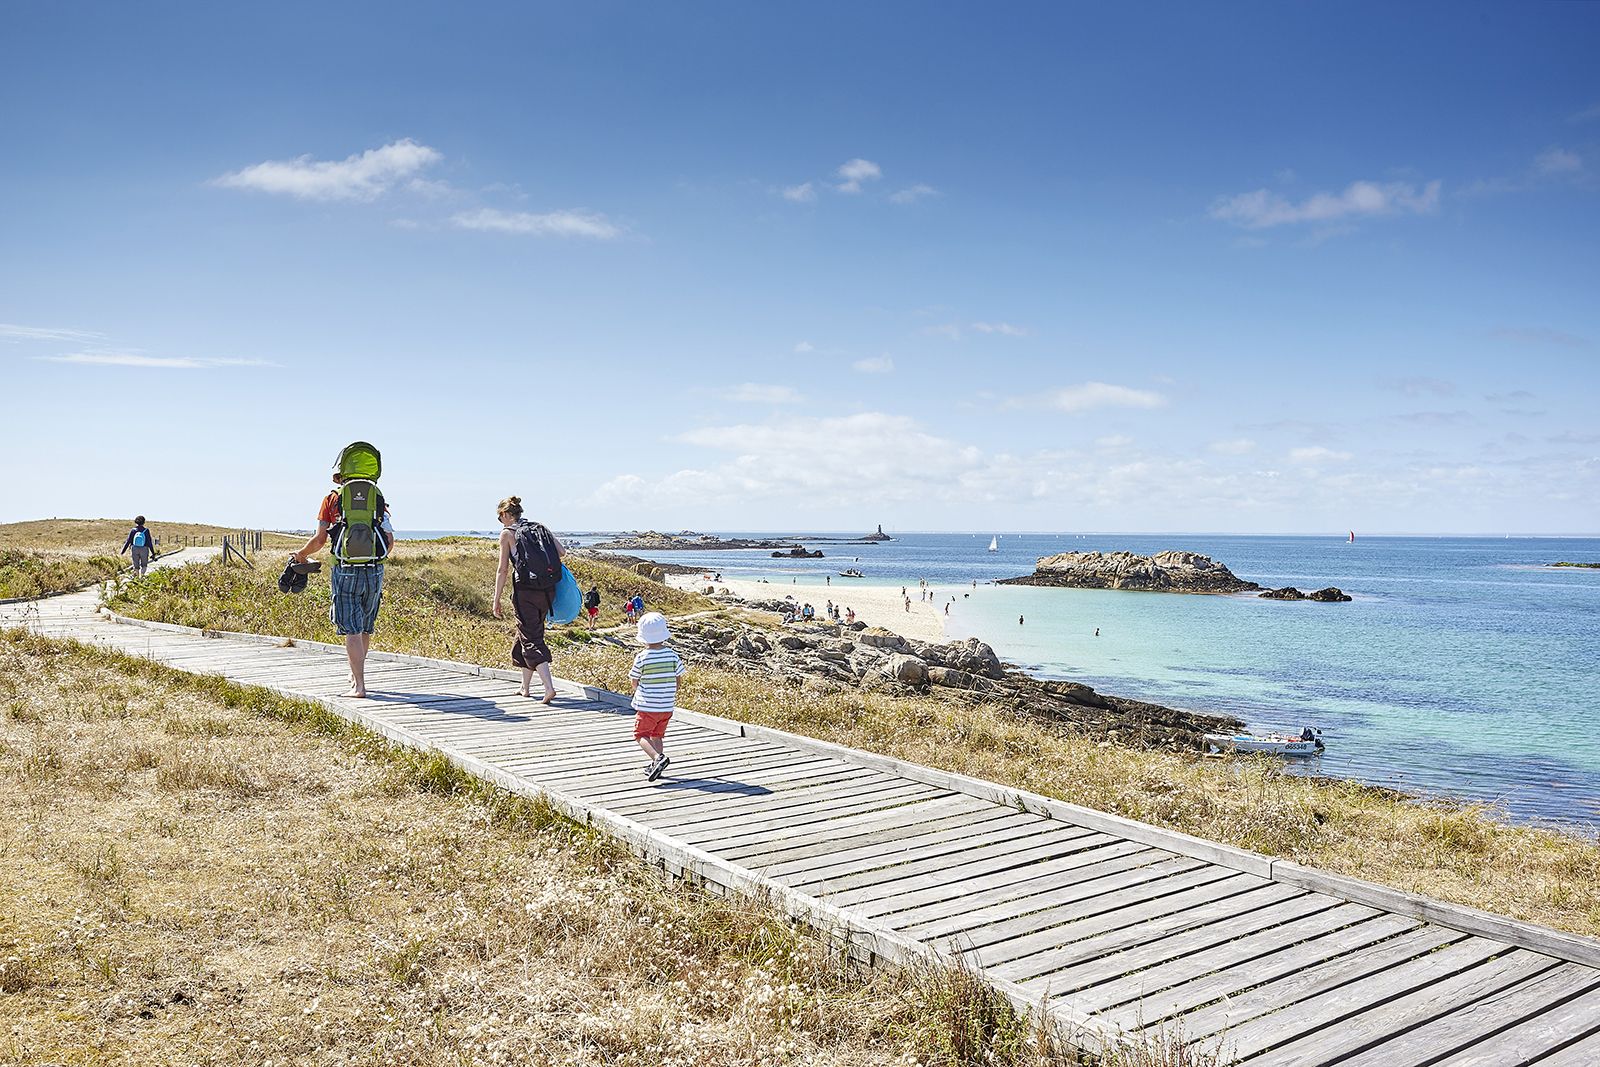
x,y
1019,620
1097,631
655,673
356,582
142,543
536,553
591,605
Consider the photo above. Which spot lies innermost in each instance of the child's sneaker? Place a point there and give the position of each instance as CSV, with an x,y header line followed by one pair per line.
x,y
654,770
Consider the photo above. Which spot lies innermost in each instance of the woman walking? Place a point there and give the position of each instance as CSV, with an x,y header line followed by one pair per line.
x,y
532,555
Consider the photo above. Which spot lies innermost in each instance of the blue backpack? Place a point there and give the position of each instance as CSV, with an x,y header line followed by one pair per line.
x,y
141,538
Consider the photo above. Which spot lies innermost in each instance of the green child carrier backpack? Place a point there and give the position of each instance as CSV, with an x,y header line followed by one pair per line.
x,y
358,536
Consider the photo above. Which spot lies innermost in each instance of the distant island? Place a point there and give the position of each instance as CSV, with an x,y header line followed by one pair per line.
x,y
1585,566
689,541
1164,572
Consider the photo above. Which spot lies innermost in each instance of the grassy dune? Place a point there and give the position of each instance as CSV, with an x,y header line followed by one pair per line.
x,y
436,604
97,537
36,574
193,871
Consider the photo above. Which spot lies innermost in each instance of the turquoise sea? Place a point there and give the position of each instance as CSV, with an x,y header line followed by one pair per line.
x,y
1464,666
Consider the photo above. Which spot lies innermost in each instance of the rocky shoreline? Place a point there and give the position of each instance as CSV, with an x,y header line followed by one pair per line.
x,y
829,659
1164,572
689,541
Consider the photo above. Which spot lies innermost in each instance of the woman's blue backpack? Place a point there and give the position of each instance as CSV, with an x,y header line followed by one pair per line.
x,y
567,598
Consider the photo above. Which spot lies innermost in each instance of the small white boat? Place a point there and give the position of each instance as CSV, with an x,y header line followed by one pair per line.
x,y
994,543
1307,742
851,573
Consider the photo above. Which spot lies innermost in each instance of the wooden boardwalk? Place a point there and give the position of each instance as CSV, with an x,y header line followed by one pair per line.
x,y
1117,927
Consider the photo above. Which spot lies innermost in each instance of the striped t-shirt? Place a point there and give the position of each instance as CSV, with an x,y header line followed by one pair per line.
x,y
656,670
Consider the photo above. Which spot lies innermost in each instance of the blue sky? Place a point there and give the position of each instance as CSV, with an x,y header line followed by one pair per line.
x,y
1254,267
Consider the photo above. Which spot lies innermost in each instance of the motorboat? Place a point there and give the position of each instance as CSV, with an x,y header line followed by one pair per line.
x,y
851,573
1308,742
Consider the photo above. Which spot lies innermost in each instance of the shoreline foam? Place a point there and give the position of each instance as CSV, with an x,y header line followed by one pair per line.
x,y
875,605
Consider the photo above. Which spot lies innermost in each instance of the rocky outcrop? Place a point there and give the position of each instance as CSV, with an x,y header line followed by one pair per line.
x,y
1585,566
798,553
878,536
651,541
1331,595
1164,572
827,659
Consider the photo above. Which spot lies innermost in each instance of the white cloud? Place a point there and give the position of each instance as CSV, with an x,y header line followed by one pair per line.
x,y
359,177
874,365
1556,160
550,224
130,359
911,194
1113,442
1317,454
854,172
1234,446
1588,114
1092,395
1420,386
1264,208
10,332
1004,328
755,393
804,346
948,330
804,193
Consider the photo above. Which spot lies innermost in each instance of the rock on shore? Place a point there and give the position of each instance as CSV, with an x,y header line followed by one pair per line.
x,y
1331,595
828,659
1164,572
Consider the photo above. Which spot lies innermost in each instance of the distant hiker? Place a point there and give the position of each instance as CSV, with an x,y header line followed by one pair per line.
x,y
591,604
530,553
1019,620
142,543
655,673
1097,631
356,517
947,609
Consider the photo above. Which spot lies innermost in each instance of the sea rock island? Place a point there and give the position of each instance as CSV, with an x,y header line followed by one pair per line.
x,y
1165,572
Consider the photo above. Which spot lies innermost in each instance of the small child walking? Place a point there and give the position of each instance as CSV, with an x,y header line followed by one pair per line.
x,y
655,673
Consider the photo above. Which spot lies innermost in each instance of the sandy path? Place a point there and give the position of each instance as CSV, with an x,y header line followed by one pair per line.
x,y
876,605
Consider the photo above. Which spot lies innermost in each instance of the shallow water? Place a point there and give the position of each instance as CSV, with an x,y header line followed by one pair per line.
x,y
1464,666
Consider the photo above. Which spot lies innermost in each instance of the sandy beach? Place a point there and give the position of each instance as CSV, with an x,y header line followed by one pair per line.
x,y
875,605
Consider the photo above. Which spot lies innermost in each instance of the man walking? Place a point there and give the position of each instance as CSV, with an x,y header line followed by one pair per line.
x,y
355,517
142,543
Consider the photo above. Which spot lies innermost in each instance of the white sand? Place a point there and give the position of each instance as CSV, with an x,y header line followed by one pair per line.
x,y
875,605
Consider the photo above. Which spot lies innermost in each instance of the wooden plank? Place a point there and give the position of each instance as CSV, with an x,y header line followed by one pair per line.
x,y
1066,903
1112,866
830,784
1483,1017
1391,969
1380,1019
936,839
957,877
946,809
1032,961
893,871
1565,1034
1188,982
784,807
1080,979
718,833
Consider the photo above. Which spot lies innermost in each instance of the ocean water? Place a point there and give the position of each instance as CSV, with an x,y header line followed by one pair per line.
x,y
1464,667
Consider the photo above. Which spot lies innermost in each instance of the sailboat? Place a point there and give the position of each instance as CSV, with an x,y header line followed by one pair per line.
x,y
994,543
1352,538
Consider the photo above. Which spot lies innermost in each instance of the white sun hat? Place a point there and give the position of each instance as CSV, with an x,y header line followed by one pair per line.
x,y
652,628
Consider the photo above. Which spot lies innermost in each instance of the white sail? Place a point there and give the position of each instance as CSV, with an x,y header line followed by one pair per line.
x,y
994,544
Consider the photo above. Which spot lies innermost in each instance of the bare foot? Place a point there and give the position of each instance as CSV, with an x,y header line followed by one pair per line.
x,y
549,698
356,694
524,693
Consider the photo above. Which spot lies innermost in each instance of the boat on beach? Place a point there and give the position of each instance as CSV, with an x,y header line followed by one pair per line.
x,y
1308,742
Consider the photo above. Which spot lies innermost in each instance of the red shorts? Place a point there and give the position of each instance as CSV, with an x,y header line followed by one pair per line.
x,y
593,612
650,724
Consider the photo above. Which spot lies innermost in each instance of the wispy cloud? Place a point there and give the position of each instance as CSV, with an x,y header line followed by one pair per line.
x,y
1538,335
1588,114
1515,396
804,193
755,393
911,194
950,331
804,346
14,333
131,359
1091,395
1418,386
1004,328
549,224
1264,208
1317,454
855,171
1235,446
873,365
1557,160
364,176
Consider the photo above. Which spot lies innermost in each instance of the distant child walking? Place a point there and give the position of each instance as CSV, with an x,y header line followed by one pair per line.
x,y
655,674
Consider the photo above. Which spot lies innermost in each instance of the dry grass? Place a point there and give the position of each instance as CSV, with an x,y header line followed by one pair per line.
x,y
95,537
328,899
40,574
